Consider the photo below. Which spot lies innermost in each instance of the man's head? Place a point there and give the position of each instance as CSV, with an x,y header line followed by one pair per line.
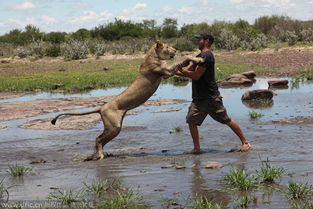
x,y
204,39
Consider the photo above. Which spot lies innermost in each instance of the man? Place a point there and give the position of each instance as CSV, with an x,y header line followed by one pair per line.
x,y
205,94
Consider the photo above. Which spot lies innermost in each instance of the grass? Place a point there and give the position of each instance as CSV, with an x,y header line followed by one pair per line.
x,y
97,187
3,191
255,115
239,179
269,173
124,201
76,77
18,170
297,190
244,201
67,197
204,203
178,129
83,76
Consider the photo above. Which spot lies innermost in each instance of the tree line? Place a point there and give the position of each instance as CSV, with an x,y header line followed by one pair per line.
x,y
228,35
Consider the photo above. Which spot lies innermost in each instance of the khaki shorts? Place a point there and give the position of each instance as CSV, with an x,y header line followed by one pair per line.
x,y
199,109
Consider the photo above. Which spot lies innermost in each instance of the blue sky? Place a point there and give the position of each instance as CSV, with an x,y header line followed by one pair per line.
x,y
71,15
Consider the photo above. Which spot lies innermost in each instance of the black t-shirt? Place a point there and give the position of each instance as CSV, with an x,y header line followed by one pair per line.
x,y
206,86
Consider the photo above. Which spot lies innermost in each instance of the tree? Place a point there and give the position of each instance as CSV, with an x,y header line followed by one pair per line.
x,y
169,28
55,37
81,34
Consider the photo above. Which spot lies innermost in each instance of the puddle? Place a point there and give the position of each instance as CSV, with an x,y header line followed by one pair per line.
x,y
149,142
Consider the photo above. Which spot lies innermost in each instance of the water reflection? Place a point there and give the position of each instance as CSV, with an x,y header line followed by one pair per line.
x,y
200,189
258,103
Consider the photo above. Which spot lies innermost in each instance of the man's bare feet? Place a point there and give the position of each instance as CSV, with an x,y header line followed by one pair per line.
x,y
195,151
244,148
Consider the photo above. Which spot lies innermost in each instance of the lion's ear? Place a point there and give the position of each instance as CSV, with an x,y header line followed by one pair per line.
x,y
159,44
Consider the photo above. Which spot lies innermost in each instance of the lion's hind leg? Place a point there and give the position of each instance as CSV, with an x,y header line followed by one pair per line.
x,y
113,124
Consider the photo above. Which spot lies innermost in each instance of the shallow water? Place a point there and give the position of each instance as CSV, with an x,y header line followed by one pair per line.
x,y
149,142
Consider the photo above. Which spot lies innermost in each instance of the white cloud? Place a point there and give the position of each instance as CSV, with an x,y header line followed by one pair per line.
x,y
91,16
185,10
24,6
48,19
79,5
140,6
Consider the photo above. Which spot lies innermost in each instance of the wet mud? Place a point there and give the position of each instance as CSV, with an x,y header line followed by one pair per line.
x,y
148,143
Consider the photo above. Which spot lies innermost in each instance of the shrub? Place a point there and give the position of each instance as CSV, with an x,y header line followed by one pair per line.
x,y
184,45
53,51
291,37
306,35
99,49
227,40
74,50
38,49
21,52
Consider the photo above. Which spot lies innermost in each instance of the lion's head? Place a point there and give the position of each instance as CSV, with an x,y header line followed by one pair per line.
x,y
164,51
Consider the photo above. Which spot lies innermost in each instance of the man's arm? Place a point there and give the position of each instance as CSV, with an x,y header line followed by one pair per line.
x,y
191,71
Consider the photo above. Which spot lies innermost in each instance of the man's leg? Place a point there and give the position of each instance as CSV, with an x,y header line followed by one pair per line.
x,y
237,130
195,138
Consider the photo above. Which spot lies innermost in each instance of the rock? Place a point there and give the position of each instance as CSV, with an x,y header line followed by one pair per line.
x,y
277,83
258,103
37,161
180,167
213,165
5,61
249,74
168,166
105,68
258,94
59,85
168,110
61,69
236,76
234,82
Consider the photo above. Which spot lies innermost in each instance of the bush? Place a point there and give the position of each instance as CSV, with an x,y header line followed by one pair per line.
x,y
291,37
53,51
227,40
99,49
183,44
306,35
21,52
37,49
74,50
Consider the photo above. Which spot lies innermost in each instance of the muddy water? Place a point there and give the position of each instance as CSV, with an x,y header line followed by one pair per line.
x,y
148,142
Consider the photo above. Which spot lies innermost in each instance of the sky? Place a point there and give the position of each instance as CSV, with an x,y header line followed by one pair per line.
x,y
71,15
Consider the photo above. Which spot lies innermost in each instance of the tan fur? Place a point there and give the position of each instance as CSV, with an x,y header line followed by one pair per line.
x,y
152,70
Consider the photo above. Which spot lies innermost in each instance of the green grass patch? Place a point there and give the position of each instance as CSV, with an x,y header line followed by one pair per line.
x,y
18,170
67,197
74,76
255,115
125,200
269,173
4,193
204,203
297,190
239,179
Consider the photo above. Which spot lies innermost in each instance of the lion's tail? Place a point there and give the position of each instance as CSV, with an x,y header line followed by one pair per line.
x,y
96,110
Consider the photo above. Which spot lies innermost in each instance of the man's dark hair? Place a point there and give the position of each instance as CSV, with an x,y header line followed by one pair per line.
x,y
206,35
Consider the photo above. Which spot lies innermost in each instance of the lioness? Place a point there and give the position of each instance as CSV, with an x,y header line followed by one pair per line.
x,y
152,70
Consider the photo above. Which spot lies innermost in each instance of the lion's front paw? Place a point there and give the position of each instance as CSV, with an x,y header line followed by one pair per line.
x,y
196,59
